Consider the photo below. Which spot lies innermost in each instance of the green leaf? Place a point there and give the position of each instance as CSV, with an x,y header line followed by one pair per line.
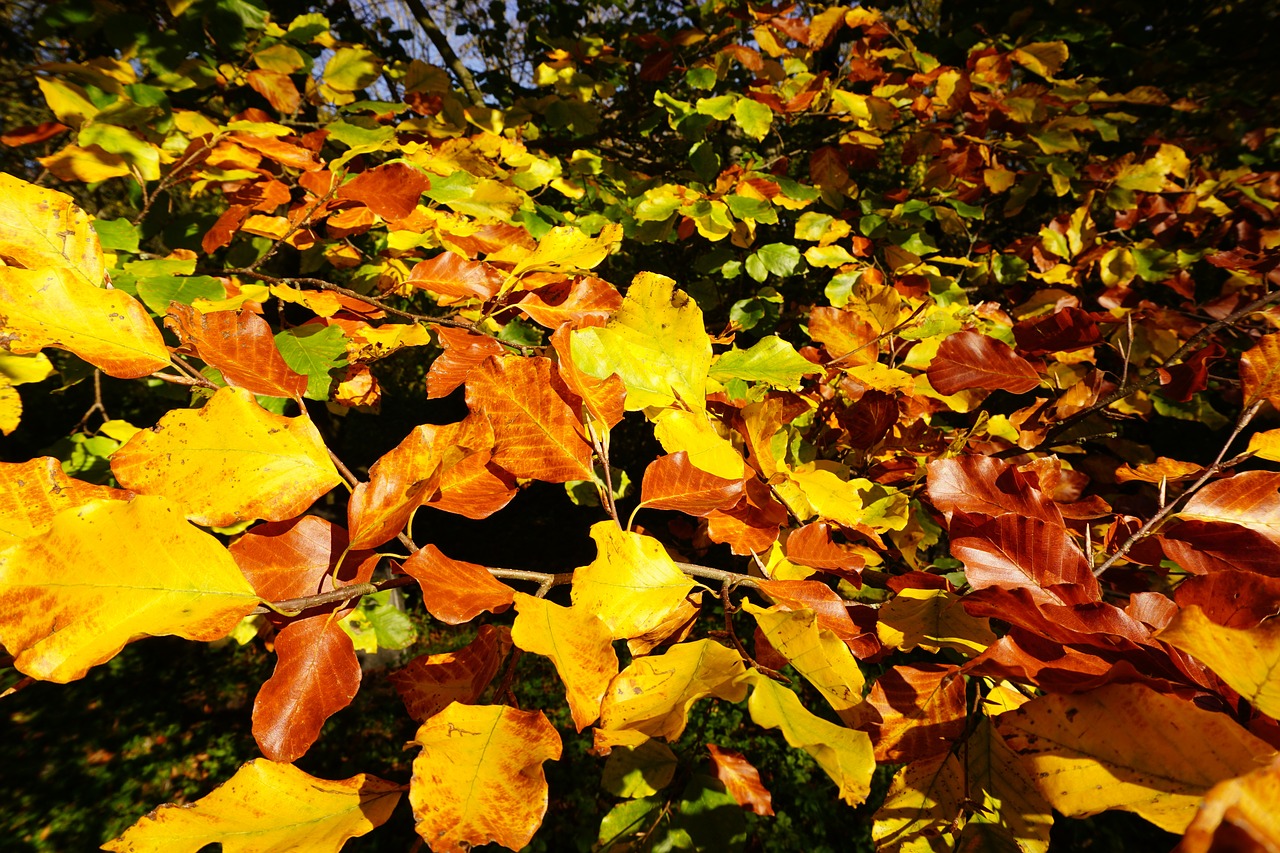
x,y
158,291
719,108
711,816
753,117
640,771
350,69
752,208
117,235
628,818
701,78
391,626
314,350
771,360
356,136
778,258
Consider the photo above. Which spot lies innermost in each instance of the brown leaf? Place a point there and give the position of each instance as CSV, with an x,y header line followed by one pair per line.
x,y
982,485
463,352
240,345
535,434
453,591
751,526
920,711
844,335
474,487
1208,547
1260,371
317,674
427,684
813,545
1231,599
1249,499
1014,551
741,780
224,228
968,360
573,300
450,274
299,557
1066,330
670,482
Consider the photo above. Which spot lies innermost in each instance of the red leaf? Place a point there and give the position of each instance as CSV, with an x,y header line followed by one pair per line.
x,y
1014,551
1208,547
535,433
453,591
1182,381
984,486
452,275
576,301
869,419
741,780
812,545
240,345
31,134
428,684
920,709
284,153
392,191
1066,330
670,482
317,674
295,558
463,351
969,359
225,228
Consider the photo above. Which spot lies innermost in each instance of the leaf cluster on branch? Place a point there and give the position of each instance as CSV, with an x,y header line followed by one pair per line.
x,y
900,343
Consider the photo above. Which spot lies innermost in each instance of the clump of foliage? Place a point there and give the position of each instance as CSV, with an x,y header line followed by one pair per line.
x,y
860,360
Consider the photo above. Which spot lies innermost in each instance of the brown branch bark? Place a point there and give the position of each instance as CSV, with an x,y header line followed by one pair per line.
x,y
441,43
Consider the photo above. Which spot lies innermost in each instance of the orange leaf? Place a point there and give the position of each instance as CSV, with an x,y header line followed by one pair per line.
x,y
1013,551
741,780
392,190
453,591
1235,810
239,345
605,399
812,545
578,300
1260,371
474,487
670,482
832,611
1249,499
463,352
921,712
844,335
282,152
300,557
277,88
267,806
535,433
427,684
969,360
317,674
229,461
450,274
985,486
29,135
32,493
479,777
579,645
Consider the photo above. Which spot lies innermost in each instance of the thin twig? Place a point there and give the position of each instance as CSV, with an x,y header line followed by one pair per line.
x,y
97,401
447,53
602,453
1151,523
172,177
303,222
729,609
175,380
347,476
199,378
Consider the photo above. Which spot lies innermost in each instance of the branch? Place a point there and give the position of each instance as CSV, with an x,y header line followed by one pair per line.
x,y
447,53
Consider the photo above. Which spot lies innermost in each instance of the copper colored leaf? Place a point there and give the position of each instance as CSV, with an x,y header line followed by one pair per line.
x,y
579,645
427,684
463,352
31,134
1260,371
670,482
55,307
32,493
573,300
479,777
1013,551
1125,746
981,485
604,399
267,807
919,712
812,545
453,591
969,360
299,557
1064,330
474,487
1249,499
452,275
317,674
1238,815
752,526
392,190
240,345
535,433
229,461
831,610
108,571
1208,547
1231,599
402,480
741,779
284,153
1168,470
1248,659
277,88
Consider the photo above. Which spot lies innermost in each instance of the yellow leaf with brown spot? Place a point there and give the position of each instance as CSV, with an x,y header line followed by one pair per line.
x,y
693,432
815,652
479,777
652,696
1125,746
33,492
567,248
57,307
229,461
632,585
579,645
267,807
108,571
44,228
1247,659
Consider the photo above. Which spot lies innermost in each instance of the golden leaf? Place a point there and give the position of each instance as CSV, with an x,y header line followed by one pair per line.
x,y
579,645
1248,660
632,585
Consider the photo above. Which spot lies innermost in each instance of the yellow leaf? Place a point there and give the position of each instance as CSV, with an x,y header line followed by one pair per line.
x,y
639,771
655,342
579,645
44,228
55,307
88,164
267,807
10,407
844,754
229,461
69,102
1266,445
693,432
1125,746
21,369
932,619
825,491
479,776
569,249
106,572
32,493
324,304
652,696
632,585
1248,660
1247,805
920,810
816,653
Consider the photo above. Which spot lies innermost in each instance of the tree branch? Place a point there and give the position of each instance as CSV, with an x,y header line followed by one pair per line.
x,y
441,43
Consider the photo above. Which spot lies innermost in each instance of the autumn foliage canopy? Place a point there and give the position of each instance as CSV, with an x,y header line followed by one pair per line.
x,y
864,358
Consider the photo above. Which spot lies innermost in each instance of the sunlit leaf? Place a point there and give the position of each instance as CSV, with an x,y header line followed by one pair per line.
x,y
1247,659
240,346
33,493
453,591
970,359
741,780
41,228
816,653
428,684
579,645
671,482
932,619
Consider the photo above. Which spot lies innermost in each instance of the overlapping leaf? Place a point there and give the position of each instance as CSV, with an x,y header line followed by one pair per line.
x,y
33,493
241,346
454,591
632,585
579,645
428,684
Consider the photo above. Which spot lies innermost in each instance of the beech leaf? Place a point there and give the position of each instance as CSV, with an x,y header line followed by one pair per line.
x,y
770,360
632,585
453,591
969,359
240,346
267,807
453,276
479,776
42,228
816,653
932,619
579,645
741,780
32,493
429,683
671,482
1247,659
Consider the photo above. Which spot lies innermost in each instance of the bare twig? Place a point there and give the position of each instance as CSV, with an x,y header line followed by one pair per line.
x,y
602,453
97,401
349,478
1151,523
197,377
173,175
441,42
303,221
729,633
175,380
